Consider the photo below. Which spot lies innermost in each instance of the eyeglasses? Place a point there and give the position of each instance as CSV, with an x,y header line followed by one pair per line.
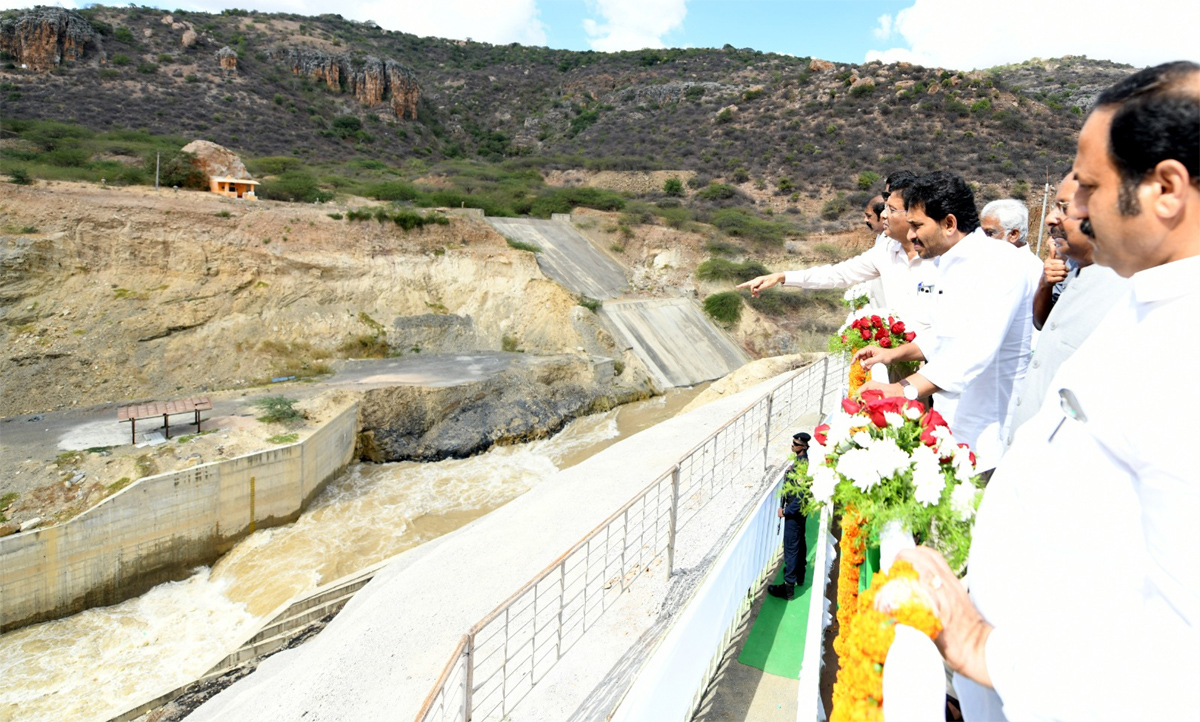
x,y
889,210
1062,206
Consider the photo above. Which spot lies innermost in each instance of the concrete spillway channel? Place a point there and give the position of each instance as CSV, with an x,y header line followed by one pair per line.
x,y
676,341
566,256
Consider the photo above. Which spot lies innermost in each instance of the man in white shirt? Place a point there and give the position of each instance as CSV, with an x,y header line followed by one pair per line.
x,y
1084,601
1008,220
892,260
1091,292
980,304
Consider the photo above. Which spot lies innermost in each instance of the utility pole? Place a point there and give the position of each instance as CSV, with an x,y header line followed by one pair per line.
x,y
1042,223
158,160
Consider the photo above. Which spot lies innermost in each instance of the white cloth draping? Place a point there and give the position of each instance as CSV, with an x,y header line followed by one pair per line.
x,y
897,274
1085,547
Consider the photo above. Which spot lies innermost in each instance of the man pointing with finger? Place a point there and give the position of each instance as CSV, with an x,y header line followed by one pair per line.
x,y
980,305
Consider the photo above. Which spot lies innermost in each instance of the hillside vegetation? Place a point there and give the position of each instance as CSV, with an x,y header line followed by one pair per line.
x,y
491,119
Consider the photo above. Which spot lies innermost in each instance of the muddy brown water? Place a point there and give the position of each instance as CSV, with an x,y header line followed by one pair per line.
x,y
96,664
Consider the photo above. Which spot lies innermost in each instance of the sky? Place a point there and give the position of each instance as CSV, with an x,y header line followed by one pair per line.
x,y
955,34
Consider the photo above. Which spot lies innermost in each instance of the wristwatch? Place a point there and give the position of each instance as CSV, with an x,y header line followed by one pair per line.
x,y
909,391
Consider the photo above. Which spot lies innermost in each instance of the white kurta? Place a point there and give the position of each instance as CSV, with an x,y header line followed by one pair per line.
x,y
1085,545
887,262
981,309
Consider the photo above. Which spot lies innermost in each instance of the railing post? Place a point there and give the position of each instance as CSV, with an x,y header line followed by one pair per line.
x,y
767,437
674,519
469,677
824,383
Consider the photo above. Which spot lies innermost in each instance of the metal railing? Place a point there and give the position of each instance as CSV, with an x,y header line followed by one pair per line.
x,y
500,659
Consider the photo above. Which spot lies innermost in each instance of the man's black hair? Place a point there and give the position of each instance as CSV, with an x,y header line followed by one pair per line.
x,y
1156,119
899,180
942,193
877,208
801,437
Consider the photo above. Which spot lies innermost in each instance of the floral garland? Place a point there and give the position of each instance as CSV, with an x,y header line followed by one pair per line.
x,y
894,598
853,546
890,459
858,377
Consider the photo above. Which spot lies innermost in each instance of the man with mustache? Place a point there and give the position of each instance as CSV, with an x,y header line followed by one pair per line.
x,y
1090,292
1084,601
891,262
980,305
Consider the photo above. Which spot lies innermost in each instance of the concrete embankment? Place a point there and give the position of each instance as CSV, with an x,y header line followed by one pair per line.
x,y
162,526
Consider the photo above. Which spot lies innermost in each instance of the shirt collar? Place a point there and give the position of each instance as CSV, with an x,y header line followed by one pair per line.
x,y
960,249
1168,281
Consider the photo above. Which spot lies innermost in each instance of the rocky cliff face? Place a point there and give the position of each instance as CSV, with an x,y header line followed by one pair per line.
x,y
369,79
46,37
228,58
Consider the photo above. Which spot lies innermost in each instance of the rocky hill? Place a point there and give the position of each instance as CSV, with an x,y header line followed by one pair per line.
x,y
329,89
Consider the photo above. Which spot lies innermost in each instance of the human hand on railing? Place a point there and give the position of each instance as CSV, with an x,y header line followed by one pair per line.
x,y
964,630
762,283
871,355
781,512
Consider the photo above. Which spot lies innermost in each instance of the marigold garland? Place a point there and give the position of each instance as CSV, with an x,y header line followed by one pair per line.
x,y
853,546
858,377
858,691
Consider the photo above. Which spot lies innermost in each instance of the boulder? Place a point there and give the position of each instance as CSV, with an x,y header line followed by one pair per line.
x,y
216,160
819,66
45,37
228,58
188,39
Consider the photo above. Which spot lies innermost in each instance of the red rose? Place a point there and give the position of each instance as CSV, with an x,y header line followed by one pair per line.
x,y
821,433
876,321
865,334
878,404
850,406
909,336
891,320
885,342
933,419
881,334
870,395
898,327
843,338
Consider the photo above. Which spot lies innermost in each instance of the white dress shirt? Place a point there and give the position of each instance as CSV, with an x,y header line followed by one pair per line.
x,y
1085,547
898,275
981,309
1090,293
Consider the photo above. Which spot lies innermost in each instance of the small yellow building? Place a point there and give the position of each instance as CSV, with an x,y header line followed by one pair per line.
x,y
233,187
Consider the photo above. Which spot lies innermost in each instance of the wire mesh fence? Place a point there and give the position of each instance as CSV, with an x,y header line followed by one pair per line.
x,y
503,657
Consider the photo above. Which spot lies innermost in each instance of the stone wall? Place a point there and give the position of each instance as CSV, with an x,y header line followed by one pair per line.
x,y
161,527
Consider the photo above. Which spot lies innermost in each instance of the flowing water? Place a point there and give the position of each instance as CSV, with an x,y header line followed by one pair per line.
x,y
97,663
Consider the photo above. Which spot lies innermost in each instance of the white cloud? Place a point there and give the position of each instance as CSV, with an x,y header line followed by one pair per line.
x,y
492,21
953,34
633,24
884,29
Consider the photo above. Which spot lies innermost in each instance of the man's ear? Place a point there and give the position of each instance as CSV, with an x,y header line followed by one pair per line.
x,y
1166,190
949,224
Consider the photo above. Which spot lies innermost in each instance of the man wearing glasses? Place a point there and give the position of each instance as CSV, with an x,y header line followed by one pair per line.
x,y
892,260
795,547
1090,292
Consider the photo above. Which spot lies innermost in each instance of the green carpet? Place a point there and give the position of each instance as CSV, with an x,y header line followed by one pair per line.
x,y
776,641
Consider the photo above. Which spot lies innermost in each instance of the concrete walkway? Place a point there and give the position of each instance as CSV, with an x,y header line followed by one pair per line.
x,y
380,657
